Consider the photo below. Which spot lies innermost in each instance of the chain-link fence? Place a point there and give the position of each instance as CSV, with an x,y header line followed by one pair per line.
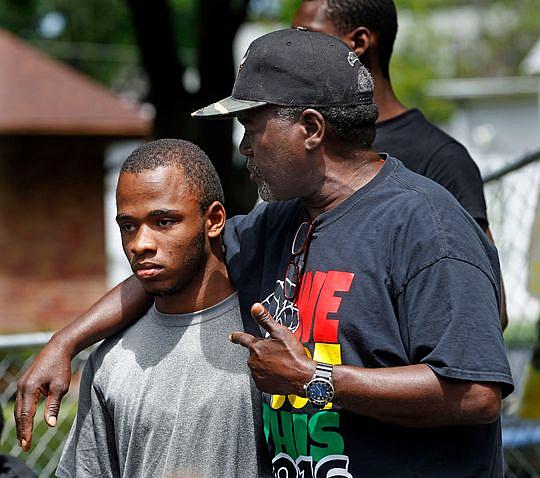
x,y
513,196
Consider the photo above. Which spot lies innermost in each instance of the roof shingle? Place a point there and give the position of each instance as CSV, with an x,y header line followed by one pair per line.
x,y
39,95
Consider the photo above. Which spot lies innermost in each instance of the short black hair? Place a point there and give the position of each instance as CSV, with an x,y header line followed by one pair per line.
x,y
199,173
380,16
351,124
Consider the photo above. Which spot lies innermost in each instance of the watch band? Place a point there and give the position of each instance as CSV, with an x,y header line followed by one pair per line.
x,y
324,370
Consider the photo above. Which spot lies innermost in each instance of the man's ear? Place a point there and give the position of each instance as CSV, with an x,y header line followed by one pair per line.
x,y
360,40
215,218
314,128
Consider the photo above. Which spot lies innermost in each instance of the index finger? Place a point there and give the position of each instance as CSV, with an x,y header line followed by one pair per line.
x,y
261,315
242,338
25,410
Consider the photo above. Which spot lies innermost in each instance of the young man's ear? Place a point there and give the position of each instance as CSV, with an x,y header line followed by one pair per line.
x,y
314,128
360,40
215,218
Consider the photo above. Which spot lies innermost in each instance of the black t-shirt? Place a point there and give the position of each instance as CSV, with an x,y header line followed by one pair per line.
x,y
397,274
428,151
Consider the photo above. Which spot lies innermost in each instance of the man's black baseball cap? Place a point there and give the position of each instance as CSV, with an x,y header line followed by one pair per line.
x,y
295,67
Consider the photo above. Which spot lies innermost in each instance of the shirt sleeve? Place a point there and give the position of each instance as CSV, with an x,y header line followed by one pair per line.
x,y
450,310
231,237
90,449
452,167
240,240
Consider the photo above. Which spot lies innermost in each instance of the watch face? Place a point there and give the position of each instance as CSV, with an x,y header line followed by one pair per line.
x,y
320,391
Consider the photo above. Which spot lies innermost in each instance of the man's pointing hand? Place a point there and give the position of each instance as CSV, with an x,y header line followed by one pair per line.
x,y
279,364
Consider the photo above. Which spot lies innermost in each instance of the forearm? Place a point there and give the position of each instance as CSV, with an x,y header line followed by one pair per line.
x,y
411,395
414,396
119,308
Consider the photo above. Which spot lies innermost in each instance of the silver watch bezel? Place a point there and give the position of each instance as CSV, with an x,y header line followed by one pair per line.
x,y
329,386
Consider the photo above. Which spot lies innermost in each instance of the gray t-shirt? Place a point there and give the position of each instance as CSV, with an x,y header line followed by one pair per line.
x,y
168,397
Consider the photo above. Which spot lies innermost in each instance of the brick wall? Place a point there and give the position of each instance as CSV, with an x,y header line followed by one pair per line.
x,y
52,255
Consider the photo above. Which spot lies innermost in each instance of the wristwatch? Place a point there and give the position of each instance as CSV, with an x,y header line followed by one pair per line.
x,y
320,389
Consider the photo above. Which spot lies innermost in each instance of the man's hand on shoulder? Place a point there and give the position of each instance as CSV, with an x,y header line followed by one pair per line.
x,y
48,375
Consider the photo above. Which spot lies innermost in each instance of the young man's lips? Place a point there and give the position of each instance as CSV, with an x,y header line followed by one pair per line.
x,y
147,272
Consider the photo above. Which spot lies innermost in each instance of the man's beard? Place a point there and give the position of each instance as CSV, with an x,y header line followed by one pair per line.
x,y
264,191
263,187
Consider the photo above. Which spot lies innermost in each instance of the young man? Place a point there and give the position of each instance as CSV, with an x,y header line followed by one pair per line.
x,y
384,290
170,396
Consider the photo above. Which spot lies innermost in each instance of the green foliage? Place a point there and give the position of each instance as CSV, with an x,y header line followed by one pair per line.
x,y
94,20
504,47
185,22
18,16
288,7
410,76
427,5
89,27
507,30
414,64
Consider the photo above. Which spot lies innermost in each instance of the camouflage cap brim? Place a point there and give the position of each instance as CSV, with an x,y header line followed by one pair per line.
x,y
226,108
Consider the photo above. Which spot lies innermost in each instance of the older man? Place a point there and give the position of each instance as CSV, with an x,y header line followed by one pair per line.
x,y
389,285
386,356
370,27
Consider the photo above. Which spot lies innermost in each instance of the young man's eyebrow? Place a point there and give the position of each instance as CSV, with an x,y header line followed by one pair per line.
x,y
156,212
123,217
163,212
